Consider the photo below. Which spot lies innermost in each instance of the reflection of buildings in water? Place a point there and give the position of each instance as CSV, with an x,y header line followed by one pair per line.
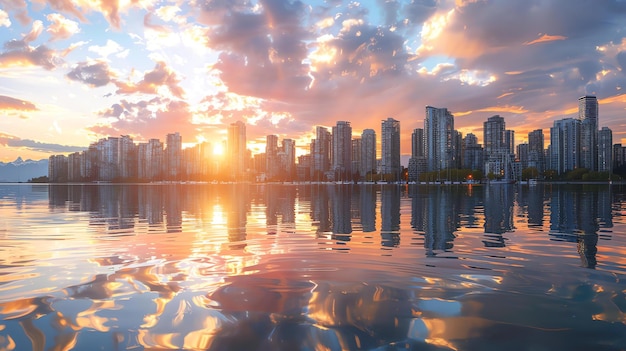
x,y
498,214
576,216
320,209
469,199
173,207
151,204
435,212
390,215
280,201
367,204
236,203
531,201
341,216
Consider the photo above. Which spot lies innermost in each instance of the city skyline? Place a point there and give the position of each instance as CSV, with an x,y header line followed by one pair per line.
x,y
336,155
72,73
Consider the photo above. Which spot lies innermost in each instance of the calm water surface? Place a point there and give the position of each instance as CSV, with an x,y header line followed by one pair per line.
x,y
312,267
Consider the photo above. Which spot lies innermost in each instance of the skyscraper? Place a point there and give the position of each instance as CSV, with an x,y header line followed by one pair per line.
x,y
271,156
288,158
417,162
368,152
472,153
342,150
356,156
605,150
535,150
438,130
236,151
417,143
565,145
320,151
493,136
390,157
173,155
588,116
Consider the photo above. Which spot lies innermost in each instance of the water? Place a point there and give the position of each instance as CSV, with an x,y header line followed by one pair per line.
x,y
312,267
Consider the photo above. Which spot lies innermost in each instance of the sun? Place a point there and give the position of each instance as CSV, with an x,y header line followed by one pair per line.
x,y
218,149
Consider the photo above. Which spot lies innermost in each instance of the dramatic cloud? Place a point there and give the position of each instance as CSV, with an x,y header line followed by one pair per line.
x,y
160,76
146,119
49,148
61,28
284,66
9,103
95,74
21,53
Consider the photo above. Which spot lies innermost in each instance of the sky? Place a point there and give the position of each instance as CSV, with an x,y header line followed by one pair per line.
x,y
75,71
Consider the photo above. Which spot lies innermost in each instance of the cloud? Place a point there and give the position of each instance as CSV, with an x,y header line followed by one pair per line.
x,y
32,145
545,38
4,19
107,50
160,76
61,27
95,74
20,54
34,33
145,119
9,103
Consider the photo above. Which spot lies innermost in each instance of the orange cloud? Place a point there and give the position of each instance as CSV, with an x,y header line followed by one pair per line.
x,y
545,38
495,109
9,103
61,28
160,76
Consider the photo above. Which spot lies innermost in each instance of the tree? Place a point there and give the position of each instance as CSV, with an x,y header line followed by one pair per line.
x,y
530,173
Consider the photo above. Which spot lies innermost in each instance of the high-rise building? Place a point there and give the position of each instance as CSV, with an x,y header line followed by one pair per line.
x,y
271,157
588,115
417,143
472,153
173,155
356,156
417,162
605,150
565,145
150,160
288,158
619,158
522,154
127,161
342,150
536,150
320,151
108,158
439,134
390,156
509,141
368,152
236,150
493,136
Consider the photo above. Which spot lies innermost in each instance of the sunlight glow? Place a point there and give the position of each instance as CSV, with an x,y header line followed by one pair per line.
x,y
218,149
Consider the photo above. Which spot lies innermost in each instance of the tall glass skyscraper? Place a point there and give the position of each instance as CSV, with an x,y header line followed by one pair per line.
x,y
368,152
342,150
236,149
439,130
390,157
588,115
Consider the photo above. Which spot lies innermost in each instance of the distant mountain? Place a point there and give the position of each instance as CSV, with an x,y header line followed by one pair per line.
x,y
21,171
